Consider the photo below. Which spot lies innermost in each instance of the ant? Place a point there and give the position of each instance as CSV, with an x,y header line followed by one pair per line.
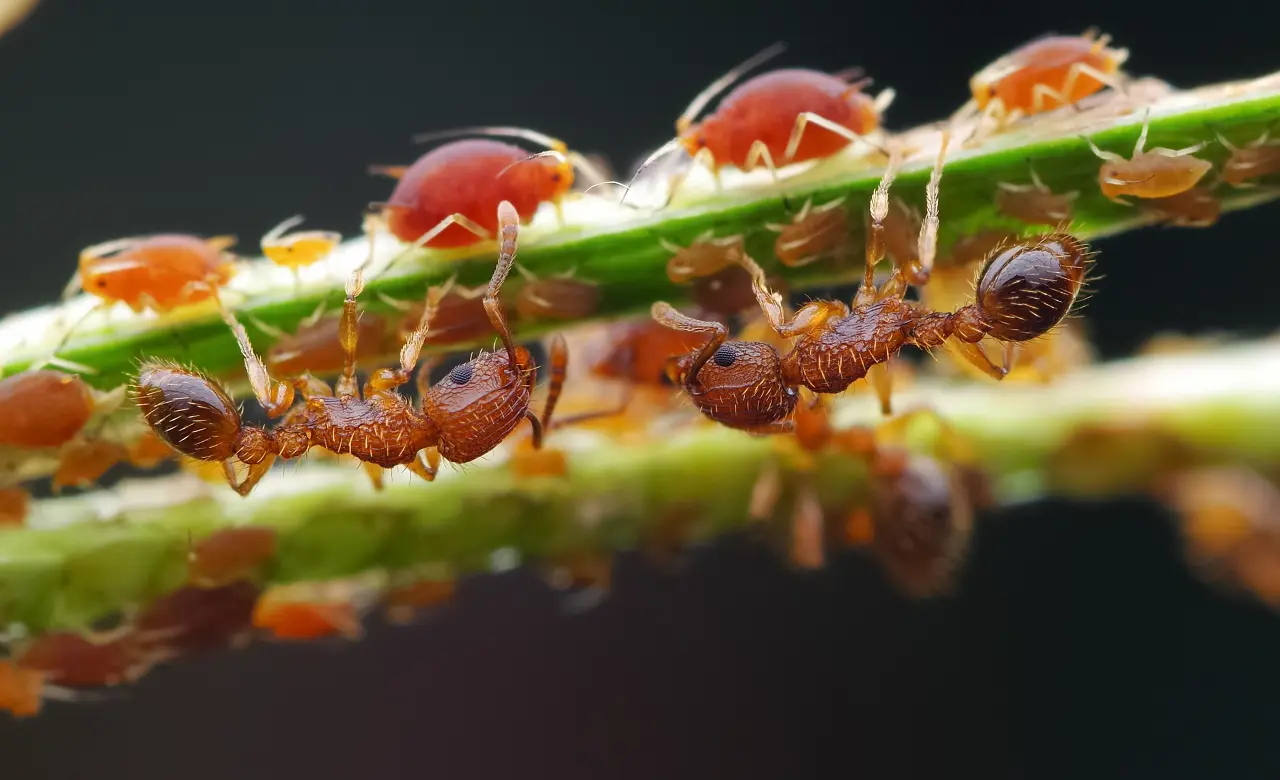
x,y
1021,293
461,418
763,120
159,272
1046,73
1154,173
447,198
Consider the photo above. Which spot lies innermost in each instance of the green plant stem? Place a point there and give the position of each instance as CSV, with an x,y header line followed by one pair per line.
x,y
89,555
618,247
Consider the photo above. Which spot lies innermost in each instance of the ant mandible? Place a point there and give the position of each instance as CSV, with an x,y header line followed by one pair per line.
x,y
1021,293
463,417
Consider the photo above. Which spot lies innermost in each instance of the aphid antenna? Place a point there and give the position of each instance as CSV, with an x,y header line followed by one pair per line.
x,y
533,136
625,189
669,147
276,232
704,98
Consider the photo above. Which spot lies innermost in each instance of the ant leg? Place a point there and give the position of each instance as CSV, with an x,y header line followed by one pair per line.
x,y
805,118
309,387
772,306
879,209
536,424
275,397
349,335
508,231
256,472
665,314
975,354
411,352
880,377
426,464
374,471
559,359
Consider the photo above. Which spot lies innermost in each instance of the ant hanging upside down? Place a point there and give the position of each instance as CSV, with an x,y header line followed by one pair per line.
x,y
1023,290
466,415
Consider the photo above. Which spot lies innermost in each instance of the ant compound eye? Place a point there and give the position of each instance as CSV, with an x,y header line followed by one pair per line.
x,y
724,356
460,375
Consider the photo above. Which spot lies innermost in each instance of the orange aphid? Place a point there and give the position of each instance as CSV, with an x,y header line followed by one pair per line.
x,y
229,555
1197,207
1259,158
43,408
705,256
315,347
460,315
148,450
556,297
728,291
1153,173
190,620
1035,203
449,197
159,272
297,250
84,462
813,234
763,119
14,504
77,661
301,613
1046,73
639,351
20,690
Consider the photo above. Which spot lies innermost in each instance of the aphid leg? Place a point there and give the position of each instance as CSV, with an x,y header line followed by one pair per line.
x,y
275,397
667,315
757,154
426,465
800,216
880,377
804,119
1041,92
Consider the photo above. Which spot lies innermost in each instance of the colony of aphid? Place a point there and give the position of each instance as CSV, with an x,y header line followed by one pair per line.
x,y
1000,308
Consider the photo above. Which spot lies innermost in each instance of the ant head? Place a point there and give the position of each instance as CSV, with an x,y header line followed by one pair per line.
x,y
1028,288
740,385
479,402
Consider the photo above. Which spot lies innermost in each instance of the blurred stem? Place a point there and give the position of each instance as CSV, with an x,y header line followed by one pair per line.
x,y
1104,430
618,247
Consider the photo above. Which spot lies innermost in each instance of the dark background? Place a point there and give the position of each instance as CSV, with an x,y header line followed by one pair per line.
x,y
1077,646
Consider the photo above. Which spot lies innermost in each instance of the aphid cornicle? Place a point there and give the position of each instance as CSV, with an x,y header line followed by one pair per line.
x,y
449,196
1021,293
160,272
1150,173
462,417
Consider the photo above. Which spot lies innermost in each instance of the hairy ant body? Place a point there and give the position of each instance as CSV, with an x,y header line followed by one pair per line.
x,y
1021,294
1153,173
463,417
1043,74
449,196
160,272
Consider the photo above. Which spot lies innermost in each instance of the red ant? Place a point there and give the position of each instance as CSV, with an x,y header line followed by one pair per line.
x,y
462,418
448,197
763,120
1020,294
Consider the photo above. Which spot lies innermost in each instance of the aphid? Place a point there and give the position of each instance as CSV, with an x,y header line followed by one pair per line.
x,y
1197,207
449,196
1260,157
460,315
462,418
813,234
84,462
1021,294
706,256
560,297
728,292
76,661
763,119
230,555
316,346
1231,528
1154,173
21,690
404,603
1046,73
304,611
160,272
192,620
298,250
1035,203
148,450
639,350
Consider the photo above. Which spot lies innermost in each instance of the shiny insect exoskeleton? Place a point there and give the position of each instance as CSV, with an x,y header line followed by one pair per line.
x,y
1021,293
463,417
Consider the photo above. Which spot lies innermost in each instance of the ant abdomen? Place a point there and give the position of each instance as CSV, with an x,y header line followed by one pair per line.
x,y
190,412
479,403
740,385
1028,288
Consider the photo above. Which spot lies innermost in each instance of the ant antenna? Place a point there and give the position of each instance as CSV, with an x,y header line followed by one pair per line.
x,y
721,84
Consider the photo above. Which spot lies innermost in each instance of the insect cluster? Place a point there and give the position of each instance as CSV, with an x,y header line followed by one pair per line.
x,y
1000,307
